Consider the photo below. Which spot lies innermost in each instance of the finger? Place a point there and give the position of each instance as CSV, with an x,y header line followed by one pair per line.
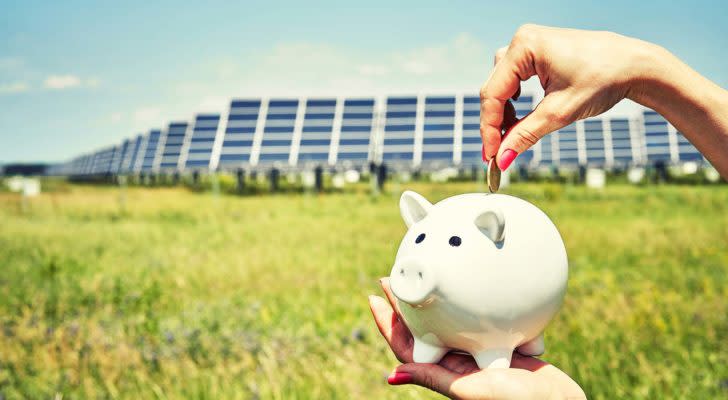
x,y
431,376
459,363
516,65
499,54
527,362
384,282
392,329
570,388
550,114
509,116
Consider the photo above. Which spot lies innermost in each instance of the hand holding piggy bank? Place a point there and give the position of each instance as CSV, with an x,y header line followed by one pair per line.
x,y
480,273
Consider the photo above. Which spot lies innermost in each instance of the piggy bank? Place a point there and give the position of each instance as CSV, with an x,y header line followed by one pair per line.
x,y
478,273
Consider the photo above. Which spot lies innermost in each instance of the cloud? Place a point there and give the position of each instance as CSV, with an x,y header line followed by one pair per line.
x,y
460,63
93,82
62,82
12,88
373,70
147,115
214,103
116,117
10,63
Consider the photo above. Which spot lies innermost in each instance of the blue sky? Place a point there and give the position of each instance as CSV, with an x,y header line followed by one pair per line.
x,y
76,76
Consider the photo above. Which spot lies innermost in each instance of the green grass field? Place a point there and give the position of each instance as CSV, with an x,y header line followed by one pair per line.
x,y
188,295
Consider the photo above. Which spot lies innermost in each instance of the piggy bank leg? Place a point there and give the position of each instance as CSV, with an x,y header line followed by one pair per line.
x,y
493,358
534,347
426,353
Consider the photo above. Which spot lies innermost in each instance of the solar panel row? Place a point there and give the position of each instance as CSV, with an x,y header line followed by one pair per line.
x,y
402,131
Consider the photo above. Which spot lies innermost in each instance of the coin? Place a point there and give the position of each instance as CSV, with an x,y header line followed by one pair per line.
x,y
493,176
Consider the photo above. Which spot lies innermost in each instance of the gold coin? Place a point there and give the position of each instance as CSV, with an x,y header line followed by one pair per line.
x,y
493,176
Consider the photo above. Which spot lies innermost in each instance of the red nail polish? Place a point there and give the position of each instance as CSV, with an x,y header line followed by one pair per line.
x,y
482,153
506,159
399,378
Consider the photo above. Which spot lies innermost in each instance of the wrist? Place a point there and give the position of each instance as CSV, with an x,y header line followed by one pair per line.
x,y
649,81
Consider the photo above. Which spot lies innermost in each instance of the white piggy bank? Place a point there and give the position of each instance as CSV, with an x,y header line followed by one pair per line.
x,y
480,273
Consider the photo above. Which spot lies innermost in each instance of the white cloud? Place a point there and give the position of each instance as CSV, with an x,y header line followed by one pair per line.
x,y
10,63
214,103
12,88
373,70
93,82
147,115
116,117
62,81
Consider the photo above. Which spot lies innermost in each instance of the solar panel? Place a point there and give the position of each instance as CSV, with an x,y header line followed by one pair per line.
x,y
568,145
547,151
102,161
202,140
149,163
594,142
399,130
472,142
621,141
240,131
317,131
657,138
277,137
84,166
523,106
131,160
438,130
96,163
119,156
173,142
686,150
356,130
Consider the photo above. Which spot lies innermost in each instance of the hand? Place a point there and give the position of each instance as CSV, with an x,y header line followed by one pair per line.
x,y
457,375
583,73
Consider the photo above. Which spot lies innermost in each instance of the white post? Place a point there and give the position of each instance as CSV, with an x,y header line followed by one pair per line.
x,y
419,130
608,143
219,139
185,148
259,127
672,140
580,142
297,131
457,147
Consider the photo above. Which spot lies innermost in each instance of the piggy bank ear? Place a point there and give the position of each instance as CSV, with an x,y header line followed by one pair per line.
x,y
413,207
492,224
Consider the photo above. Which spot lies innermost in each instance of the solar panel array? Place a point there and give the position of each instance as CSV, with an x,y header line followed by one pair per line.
x,y
199,149
405,132
174,139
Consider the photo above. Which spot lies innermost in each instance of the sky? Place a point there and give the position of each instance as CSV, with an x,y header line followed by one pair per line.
x,y
76,76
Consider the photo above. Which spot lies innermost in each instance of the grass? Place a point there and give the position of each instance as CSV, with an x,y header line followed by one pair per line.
x,y
164,293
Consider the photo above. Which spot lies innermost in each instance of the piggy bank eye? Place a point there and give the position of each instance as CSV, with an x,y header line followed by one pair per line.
x,y
455,241
420,238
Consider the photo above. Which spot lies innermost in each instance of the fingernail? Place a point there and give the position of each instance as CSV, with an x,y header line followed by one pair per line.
x,y
399,378
482,153
506,159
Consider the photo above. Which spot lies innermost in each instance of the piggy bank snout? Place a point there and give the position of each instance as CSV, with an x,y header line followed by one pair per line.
x,y
412,282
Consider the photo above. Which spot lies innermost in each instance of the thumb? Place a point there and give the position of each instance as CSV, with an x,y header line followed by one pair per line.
x,y
431,376
547,117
